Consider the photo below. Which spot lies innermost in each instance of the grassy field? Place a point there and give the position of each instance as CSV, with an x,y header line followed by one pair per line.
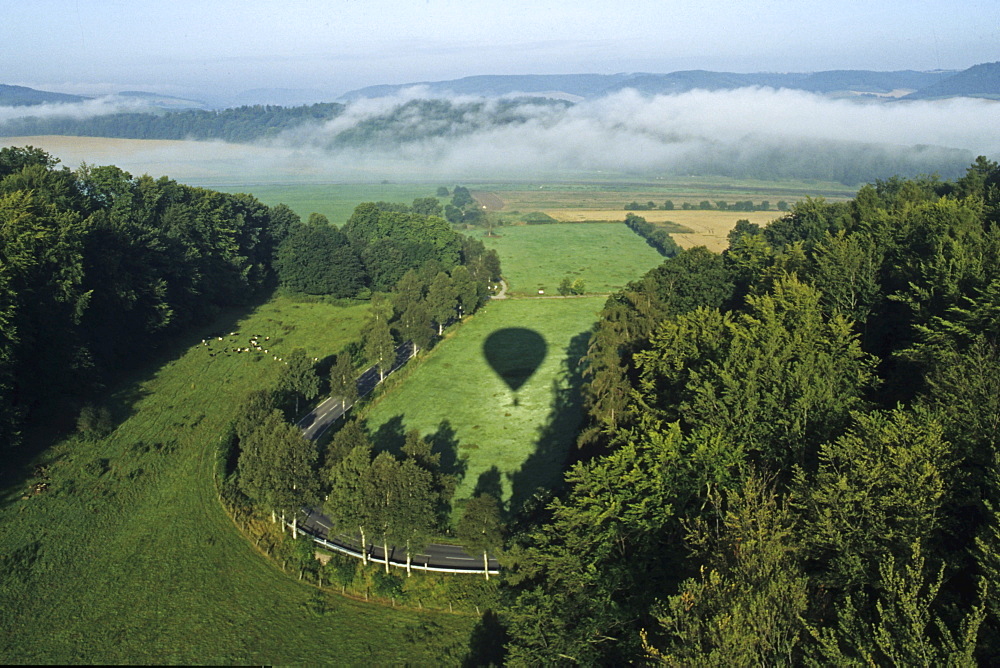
x,y
704,228
605,255
336,202
496,437
128,557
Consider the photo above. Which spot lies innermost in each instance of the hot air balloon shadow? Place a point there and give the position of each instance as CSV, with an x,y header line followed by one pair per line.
x,y
514,354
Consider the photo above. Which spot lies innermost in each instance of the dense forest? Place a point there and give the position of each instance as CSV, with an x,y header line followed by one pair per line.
x,y
790,454
239,124
99,268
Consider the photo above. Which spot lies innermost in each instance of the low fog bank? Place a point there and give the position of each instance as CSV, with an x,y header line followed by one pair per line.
x,y
750,132
99,106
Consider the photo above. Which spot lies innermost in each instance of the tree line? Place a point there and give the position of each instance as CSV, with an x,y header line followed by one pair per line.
x,y
706,205
395,499
379,243
790,454
239,124
98,267
657,237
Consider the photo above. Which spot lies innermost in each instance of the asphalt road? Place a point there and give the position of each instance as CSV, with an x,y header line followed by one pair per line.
x,y
315,423
436,556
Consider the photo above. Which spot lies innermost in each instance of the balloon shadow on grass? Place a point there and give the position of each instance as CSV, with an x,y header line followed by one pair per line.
x,y
514,354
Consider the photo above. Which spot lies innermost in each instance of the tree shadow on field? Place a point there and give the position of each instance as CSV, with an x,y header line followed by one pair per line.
x,y
489,482
487,644
391,437
125,362
444,442
542,472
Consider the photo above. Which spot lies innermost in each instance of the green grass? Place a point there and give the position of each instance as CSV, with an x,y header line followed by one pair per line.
x,y
490,433
128,557
335,201
605,255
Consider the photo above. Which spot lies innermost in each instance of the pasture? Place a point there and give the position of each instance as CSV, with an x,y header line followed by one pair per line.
x,y
336,202
537,257
704,228
498,397
128,556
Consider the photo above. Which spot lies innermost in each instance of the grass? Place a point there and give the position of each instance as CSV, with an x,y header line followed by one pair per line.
x,y
336,202
605,255
700,228
128,556
462,395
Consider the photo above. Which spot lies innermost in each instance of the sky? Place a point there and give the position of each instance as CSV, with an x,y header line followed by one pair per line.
x,y
206,48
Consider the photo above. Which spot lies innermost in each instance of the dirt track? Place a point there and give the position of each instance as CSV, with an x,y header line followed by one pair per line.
x,y
491,201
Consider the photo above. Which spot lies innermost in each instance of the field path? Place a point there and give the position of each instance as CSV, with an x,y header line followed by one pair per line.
x,y
488,200
437,557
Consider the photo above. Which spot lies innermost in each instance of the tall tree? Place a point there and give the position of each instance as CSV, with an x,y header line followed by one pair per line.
x,y
352,498
442,300
343,381
299,377
748,603
481,527
379,347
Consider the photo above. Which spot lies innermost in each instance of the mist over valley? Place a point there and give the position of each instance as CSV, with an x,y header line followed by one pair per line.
x,y
428,131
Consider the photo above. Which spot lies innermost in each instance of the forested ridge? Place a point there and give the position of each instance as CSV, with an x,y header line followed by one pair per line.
x,y
239,124
790,455
99,268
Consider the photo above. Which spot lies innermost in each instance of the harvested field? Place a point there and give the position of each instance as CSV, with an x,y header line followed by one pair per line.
x,y
488,200
707,228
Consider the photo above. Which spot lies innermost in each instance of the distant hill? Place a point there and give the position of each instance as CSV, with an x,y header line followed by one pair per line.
x,y
20,96
832,82
495,85
977,81
284,97
162,101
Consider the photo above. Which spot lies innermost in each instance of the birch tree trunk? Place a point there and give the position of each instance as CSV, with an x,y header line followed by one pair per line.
x,y
385,553
364,550
486,565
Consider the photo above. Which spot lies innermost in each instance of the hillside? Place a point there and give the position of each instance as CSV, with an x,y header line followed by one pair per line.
x,y
19,96
597,85
977,81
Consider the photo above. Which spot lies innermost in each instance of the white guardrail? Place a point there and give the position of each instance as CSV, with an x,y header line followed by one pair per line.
x,y
351,552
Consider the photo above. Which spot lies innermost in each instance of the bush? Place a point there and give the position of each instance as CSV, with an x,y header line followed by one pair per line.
x,y
387,585
94,422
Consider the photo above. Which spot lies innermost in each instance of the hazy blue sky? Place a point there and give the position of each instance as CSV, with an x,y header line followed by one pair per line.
x,y
222,47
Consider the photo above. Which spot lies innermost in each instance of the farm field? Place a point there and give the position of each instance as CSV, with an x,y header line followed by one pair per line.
x,y
128,556
706,228
336,202
499,435
537,257
613,192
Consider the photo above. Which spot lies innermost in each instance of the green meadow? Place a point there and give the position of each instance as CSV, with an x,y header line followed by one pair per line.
x,y
335,201
537,257
498,397
129,557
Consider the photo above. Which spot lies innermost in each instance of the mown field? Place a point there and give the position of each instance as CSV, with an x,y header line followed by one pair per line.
x,y
336,202
704,228
508,436
537,257
128,556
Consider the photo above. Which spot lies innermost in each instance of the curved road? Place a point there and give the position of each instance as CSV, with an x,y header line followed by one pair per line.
x,y
437,557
